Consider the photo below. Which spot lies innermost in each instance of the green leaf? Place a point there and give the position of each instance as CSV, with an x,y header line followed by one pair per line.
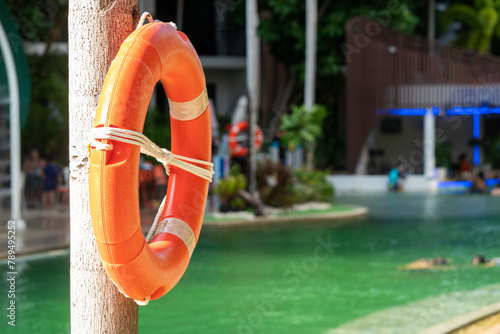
x,y
489,19
461,13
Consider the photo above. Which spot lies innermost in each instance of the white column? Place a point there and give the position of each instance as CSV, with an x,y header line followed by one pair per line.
x,y
253,81
15,128
429,144
310,77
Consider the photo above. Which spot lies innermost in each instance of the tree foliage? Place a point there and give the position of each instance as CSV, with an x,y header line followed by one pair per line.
x,y
480,23
39,20
282,26
47,124
303,127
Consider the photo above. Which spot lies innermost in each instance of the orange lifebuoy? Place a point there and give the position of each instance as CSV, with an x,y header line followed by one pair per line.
x,y
235,147
142,271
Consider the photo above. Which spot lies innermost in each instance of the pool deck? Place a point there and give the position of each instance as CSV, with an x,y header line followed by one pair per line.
x,y
482,321
49,230
429,315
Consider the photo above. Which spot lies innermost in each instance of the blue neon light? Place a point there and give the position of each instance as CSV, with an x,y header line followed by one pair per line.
x,y
477,155
455,184
413,111
492,182
473,111
409,112
436,111
477,126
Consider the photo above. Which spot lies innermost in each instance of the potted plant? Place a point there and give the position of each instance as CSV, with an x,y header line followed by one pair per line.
x,y
443,155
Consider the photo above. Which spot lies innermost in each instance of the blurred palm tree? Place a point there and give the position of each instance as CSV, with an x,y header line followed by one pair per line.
x,y
480,23
302,126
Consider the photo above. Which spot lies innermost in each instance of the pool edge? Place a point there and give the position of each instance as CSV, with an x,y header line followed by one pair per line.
x,y
356,212
463,320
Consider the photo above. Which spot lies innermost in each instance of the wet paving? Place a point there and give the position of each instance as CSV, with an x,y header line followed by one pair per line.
x,y
44,230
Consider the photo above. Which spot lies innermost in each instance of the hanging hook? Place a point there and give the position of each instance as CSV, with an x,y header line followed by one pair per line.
x,y
143,18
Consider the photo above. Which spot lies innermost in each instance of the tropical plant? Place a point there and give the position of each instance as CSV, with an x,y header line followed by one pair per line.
x,y
275,184
227,189
313,186
480,23
444,152
301,128
280,187
491,147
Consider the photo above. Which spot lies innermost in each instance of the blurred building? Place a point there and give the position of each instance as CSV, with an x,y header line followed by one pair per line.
x,y
394,80
220,45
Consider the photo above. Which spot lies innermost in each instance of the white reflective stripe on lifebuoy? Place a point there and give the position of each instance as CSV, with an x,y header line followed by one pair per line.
x,y
186,111
180,229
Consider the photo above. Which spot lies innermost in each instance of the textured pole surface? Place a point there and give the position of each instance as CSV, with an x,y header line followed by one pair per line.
x,y
96,30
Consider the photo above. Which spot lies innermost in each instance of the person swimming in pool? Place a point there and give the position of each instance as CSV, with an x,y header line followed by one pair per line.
x,y
427,263
482,261
395,177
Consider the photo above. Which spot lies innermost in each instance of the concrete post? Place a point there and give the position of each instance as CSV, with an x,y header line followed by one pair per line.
x,y
429,144
253,83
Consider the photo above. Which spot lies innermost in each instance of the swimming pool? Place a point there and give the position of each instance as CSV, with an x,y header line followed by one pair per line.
x,y
306,278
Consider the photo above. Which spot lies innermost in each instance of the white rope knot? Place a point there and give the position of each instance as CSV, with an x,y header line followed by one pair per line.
x,y
167,156
166,160
163,155
100,146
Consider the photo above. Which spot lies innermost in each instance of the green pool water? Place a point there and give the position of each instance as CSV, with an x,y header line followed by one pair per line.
x,y
307,278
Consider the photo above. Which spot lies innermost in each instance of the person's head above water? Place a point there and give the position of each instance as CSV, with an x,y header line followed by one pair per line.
x,y
479,259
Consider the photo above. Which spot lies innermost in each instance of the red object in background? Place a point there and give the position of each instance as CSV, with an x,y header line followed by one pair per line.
x,y
237,136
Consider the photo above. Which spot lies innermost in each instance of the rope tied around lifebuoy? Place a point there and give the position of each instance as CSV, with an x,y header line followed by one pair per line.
x,y
164,156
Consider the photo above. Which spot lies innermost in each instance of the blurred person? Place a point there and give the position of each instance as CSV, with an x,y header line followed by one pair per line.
x,y
394,178
481,260
51,177
427,263
63,188
479,183
464,168
33,168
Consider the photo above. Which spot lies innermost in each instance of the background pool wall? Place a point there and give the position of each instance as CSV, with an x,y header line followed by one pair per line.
x,y
346,184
